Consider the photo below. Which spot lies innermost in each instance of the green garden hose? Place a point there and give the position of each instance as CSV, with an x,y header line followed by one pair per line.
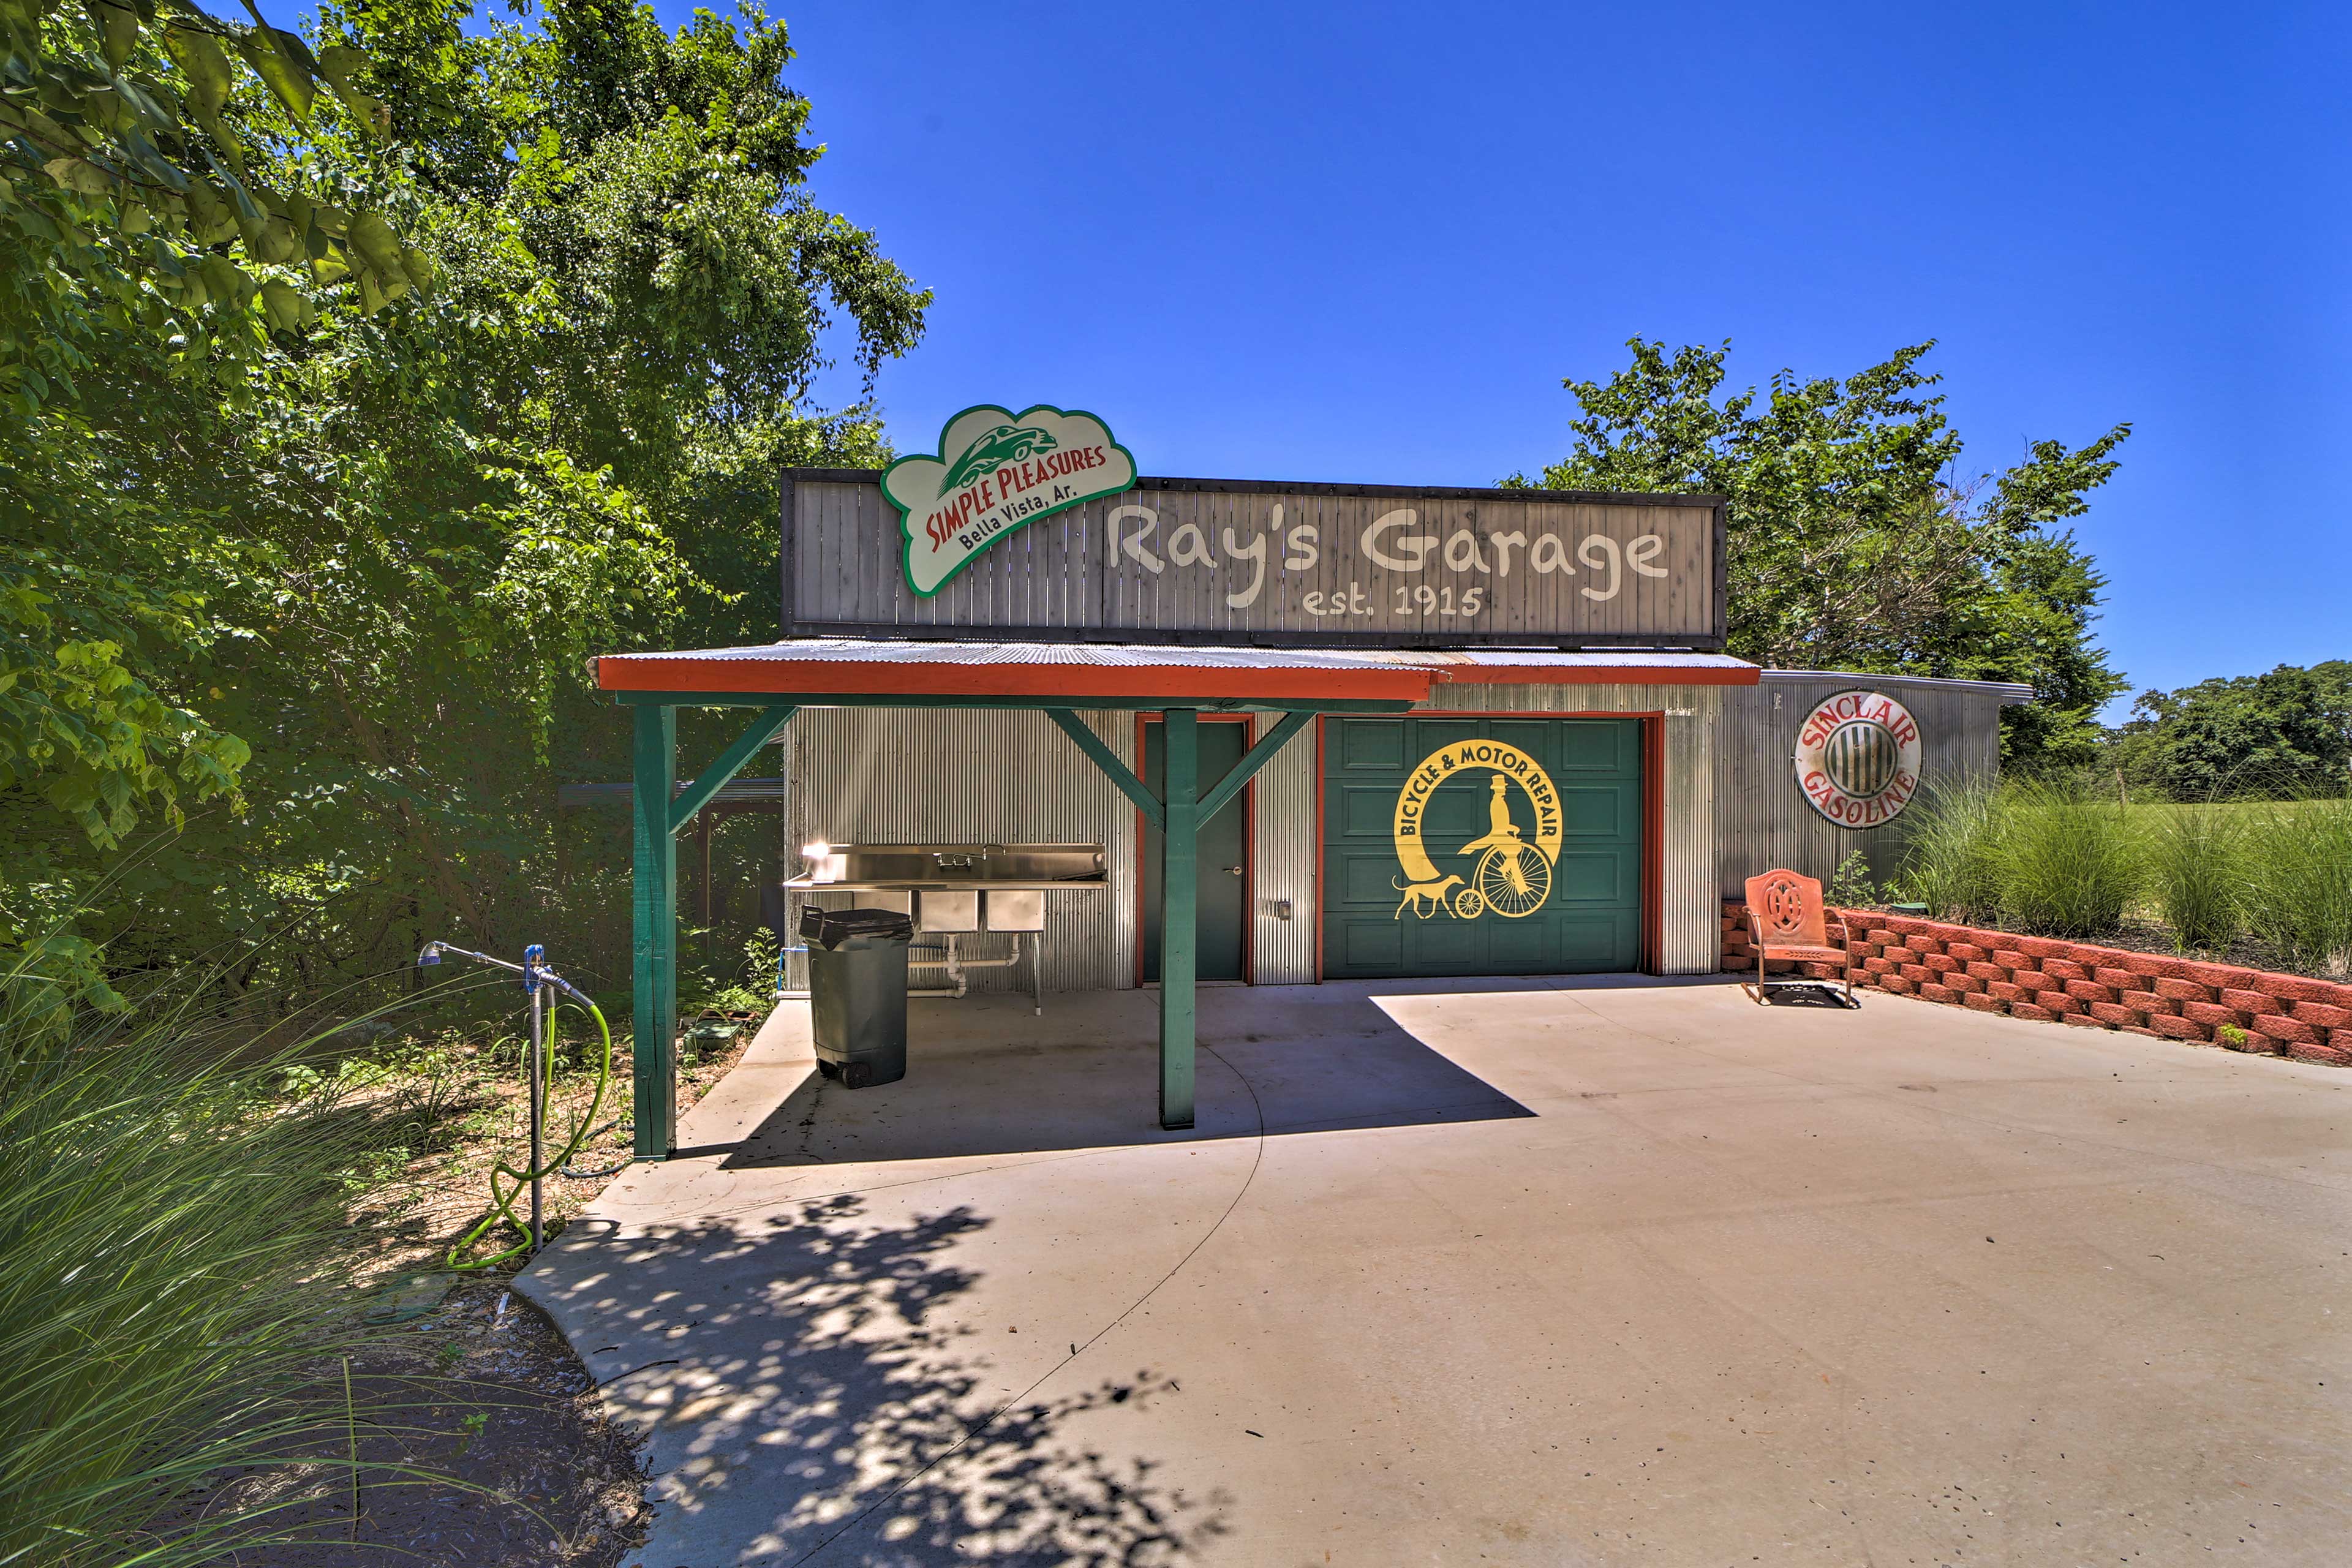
x,y
507,1182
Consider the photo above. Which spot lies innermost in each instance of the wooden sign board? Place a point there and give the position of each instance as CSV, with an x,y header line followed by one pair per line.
x,y
1249,561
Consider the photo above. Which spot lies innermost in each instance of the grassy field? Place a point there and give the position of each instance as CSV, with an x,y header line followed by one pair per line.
x,y
2050,860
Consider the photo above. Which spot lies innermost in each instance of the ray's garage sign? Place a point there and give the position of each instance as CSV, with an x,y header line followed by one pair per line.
x,y
1858,759
906,553
997,471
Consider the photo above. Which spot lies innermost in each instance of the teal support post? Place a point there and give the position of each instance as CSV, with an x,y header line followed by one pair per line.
x,y
658,811
653,940
1179,904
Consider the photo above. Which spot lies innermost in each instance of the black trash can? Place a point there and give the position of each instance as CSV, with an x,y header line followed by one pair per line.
x,y
857,993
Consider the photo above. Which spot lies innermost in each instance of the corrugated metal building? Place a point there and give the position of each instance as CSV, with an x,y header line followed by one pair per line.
x,y
1731,807
1728,803
1405,732
840,763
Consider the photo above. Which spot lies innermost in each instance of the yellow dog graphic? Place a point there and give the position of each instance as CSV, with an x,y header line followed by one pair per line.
x,y
1416,894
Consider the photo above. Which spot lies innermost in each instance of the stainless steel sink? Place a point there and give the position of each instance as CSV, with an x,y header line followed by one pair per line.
x,y
957,889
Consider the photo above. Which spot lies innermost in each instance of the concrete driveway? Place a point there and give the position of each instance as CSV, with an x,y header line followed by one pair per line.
x,y
1621,1272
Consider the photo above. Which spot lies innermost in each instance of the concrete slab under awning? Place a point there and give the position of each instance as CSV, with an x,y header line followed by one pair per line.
x,y
776,679
1620,1272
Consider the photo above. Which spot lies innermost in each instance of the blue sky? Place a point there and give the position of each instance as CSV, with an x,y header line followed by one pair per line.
x,y
1366,243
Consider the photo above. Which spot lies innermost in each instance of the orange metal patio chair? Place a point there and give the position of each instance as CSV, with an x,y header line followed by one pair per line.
x,y
1787,918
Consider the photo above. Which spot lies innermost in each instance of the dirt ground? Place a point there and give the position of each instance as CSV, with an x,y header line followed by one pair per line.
x,y
483,1444
472,1113
483,1440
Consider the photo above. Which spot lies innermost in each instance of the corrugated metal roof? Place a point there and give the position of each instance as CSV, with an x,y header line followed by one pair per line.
x,y
1087,674
2007,690
1002,671
1552,666
1598,659
1107,656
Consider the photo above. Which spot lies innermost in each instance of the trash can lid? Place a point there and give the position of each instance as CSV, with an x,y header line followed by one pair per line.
x,y
827,927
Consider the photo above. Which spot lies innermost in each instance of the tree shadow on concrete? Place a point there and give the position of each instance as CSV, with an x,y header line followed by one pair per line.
x,y
831,1409
984,1077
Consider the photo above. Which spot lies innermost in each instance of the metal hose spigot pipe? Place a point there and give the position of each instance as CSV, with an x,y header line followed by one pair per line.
x,y
538,981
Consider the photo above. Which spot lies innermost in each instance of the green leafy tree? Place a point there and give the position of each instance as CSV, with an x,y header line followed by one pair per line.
x,y
1853,543
146,214
396,552
2285,733
139,194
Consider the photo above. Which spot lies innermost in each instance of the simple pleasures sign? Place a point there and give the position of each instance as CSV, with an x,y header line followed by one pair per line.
x,y
1199,559
997,471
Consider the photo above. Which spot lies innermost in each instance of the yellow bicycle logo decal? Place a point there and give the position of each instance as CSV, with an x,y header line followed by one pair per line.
x,y
1512,874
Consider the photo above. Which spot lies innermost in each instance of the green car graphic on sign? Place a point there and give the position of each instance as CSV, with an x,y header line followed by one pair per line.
x,y
1005,443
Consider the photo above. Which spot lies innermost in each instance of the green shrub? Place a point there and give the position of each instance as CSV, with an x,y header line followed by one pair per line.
x,y
173,1252
2068,864
2298,880
1953,863
2196,874
2032,857
1849,885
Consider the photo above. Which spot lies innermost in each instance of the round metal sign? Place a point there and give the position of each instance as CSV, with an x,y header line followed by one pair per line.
x,y
1858,759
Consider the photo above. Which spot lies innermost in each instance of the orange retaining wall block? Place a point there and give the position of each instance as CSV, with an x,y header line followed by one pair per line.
x,y
2054,981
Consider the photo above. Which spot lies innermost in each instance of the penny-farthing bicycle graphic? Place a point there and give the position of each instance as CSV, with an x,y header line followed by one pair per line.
x,y
1513,877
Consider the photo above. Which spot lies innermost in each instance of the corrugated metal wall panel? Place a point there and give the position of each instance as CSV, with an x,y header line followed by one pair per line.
x,y
1282,868
860,776
1690,933
1764,820
855,777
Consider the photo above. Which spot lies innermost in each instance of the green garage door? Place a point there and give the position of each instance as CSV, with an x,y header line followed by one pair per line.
x,y
1481,846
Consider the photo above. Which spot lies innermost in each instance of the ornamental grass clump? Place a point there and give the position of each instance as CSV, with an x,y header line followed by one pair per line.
x,y
2298,880
1953,862
2069,864
2196,874
174,1258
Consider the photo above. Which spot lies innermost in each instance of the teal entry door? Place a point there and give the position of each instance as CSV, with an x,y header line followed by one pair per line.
x,y
1481,846
1224,879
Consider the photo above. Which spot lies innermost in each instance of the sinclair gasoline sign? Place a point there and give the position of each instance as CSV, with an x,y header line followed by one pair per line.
x,y
1858,759
1035,524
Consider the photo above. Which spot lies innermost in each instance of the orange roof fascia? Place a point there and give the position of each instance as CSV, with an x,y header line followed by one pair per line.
x,y
861,678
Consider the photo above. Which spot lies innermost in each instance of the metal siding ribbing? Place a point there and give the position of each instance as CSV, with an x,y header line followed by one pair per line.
x,y
1689,928
855,776
1283,865
1691,936
1074,660
1763,820
901,776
